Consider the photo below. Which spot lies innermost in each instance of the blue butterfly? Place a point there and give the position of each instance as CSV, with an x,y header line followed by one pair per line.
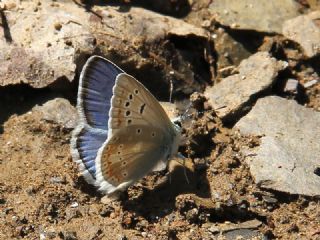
x,y
123,132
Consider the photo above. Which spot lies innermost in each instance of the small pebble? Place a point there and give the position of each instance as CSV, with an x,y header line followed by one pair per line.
x,y
74,205
58,26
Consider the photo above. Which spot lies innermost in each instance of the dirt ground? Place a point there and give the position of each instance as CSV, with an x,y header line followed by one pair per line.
x,y
42,195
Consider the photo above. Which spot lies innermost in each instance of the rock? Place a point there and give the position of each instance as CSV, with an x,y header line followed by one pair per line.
x,y
226,227
288,155
265,15
37,51
305,30
310,83
47,44
241,234
58,180
291,86
192,215
256,74
230,51
72,213
68,235
59,111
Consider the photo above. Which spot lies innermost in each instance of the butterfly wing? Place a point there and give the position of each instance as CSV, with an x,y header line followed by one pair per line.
x,y
132,103
93,103
142,135
129,155
122,133
95,91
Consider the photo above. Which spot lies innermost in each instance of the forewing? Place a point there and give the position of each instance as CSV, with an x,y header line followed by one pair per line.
x,y
95,91
133,104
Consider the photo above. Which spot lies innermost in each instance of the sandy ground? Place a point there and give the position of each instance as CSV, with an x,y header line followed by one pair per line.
x,y
42,196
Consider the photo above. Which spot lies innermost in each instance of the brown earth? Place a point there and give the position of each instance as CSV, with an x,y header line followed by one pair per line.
x,y
43,196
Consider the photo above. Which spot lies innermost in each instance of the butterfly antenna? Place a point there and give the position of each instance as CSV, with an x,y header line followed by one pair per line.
x,y
171,90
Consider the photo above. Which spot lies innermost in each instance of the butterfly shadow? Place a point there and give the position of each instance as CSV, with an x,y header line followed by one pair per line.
x,y
160,200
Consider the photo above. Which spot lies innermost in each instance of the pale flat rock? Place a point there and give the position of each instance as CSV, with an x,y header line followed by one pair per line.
x,y
46,41
257,73
59,111
263,15
305,30
38,47
287,159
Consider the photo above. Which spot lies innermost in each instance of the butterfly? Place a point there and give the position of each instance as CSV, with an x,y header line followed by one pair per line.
x,y
123,132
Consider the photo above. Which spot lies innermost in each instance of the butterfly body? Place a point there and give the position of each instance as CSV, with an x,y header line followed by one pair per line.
x,y
123,133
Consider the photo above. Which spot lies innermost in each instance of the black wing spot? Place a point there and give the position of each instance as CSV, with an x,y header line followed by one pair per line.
x,y
130,96
124,174
138,130
119,153
136,91
127,104
128,113
129,121
142,108
124,163
153,134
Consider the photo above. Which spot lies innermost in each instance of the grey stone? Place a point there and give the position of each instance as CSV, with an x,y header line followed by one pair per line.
x,y
45,41
263,15
310,83
256,74
58,180
291,85
305,30
39,50
246,230
59,111
287,158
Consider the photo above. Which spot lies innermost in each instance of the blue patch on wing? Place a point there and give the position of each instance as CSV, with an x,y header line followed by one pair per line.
x,y
87,143
95,91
